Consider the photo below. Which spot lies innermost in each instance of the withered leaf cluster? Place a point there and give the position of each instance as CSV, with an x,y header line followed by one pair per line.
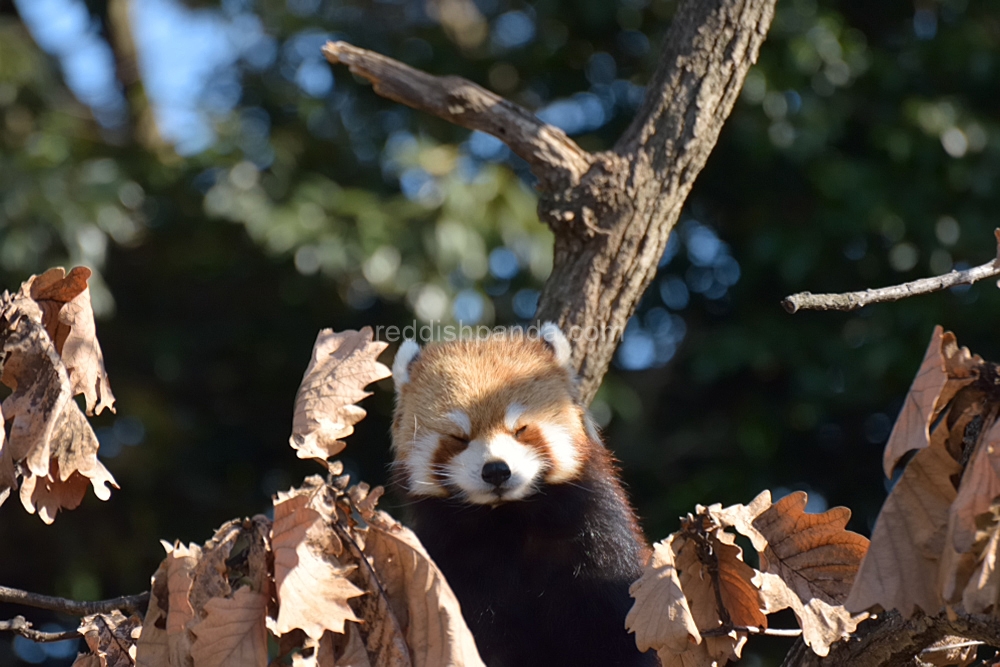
x,y
697,600
934,546
331,580
49,354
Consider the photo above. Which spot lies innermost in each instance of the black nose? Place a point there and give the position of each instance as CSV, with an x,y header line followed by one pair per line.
x,y
496,473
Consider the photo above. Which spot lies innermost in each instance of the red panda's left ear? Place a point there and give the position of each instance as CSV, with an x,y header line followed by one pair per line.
x,y
556,339
406,354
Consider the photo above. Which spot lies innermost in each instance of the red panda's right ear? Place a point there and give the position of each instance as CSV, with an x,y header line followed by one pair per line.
x,y
405,355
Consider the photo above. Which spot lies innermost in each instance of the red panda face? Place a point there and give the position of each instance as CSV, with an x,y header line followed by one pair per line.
x,y
487,421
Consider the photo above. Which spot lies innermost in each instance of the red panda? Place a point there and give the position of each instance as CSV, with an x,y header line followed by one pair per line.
x,y
517,500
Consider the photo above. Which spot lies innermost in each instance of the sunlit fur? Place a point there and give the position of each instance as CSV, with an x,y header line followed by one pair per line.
x,y
541,564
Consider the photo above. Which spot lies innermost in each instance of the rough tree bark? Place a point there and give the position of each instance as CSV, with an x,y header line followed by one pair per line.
x,y
613,211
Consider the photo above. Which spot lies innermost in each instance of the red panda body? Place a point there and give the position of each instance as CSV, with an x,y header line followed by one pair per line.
x,y
518,502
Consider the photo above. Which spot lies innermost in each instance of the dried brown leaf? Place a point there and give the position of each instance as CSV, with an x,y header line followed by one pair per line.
x,y
699,588
740,517
111,637
342,365
425,605
822,623
810,563
813,553
900,569
151,649
68,318
233,633
982,593
312,585
87,660
911,430
660,616
51,445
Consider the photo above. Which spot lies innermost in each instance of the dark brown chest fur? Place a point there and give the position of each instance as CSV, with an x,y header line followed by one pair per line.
x,y
543,581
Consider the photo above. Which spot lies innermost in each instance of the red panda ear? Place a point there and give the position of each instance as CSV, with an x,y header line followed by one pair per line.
x,y
407,353
556,339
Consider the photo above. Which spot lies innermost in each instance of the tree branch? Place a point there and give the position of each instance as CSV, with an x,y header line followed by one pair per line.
x,y
612,229
611,212
127,603
855,300
20,626
891,641
554,158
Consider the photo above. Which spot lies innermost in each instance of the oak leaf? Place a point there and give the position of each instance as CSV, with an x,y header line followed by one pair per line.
x,y
232,633
813,553
900,569
51,446
68,318
740,600
342,365
423,602
312,585
660,616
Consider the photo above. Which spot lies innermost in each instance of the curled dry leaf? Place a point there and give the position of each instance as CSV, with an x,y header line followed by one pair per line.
x,y
342,365
740,600
419,596
111,638
51,447
189,585
946,369
660,617
68,318
900,570
312,585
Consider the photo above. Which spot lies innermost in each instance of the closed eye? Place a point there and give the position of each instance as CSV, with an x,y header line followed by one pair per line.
x,y
519,432
460,438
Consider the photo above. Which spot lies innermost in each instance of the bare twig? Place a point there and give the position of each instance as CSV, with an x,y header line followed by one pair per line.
x,y
751,630
20,626
554,158
127,603
855,300
949,647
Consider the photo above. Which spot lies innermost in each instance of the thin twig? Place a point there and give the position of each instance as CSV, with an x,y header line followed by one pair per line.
x,y
555,159
855,300
948,647
751,630
20,626
126,603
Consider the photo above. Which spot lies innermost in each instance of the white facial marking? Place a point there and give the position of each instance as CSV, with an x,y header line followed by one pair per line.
x,y
565,458
421,479
407,351
514,413
461,421
466,469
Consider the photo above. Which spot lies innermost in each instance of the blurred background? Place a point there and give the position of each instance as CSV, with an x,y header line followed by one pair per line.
x,y
234,194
